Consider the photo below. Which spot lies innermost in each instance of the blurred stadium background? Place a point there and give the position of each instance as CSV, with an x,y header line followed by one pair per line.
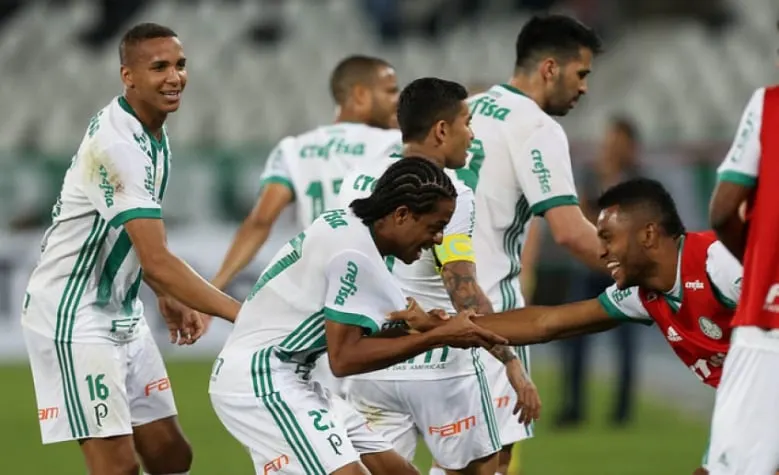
x,y
680,70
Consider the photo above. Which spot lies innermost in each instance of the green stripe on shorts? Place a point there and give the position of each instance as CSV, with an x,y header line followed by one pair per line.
x,y
283,415
486,402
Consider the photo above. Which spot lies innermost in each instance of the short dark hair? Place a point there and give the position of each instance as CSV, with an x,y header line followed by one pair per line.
x,y
351,71
626,126
414,182
140,33
557,35
648,194
424,102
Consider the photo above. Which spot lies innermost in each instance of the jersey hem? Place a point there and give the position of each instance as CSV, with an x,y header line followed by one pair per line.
x,y
135,213
542,207
614,312
351,319
279,180
737,178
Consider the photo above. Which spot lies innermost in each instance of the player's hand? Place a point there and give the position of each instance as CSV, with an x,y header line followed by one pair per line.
x,y
528,400
460,332
185,325
416,317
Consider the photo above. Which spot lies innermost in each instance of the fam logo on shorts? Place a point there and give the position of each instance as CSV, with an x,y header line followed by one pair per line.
x,y
454,428
348,286
275,465
709,328
48,413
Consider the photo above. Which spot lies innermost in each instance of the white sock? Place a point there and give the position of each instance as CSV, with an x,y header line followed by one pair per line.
x,y
182,473
498,473
437,471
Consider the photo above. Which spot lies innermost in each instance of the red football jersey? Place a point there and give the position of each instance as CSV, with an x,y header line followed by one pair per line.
x,y
759,304
699,331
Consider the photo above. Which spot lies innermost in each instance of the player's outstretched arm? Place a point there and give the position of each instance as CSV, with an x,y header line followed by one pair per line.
x,y
253,232
528,325
541,324
351,352
170,275
726,216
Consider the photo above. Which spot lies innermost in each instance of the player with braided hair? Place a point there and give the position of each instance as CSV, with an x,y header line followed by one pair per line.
x,y
329,290
434,121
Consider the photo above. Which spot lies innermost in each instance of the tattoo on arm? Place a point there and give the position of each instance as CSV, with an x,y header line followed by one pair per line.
x,y
466,294
504,354
460,281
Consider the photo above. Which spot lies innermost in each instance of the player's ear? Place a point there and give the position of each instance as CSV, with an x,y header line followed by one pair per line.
x,y
401,214
440,131
361,95
127,78
548,68
650,235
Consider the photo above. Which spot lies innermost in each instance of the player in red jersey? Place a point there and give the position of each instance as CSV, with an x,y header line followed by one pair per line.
x,y
745,425
685,282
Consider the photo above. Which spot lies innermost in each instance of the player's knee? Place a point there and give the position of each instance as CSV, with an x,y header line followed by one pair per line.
x,y
171,454
110,456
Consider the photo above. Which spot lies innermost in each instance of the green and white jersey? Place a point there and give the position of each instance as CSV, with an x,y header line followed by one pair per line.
x,y
422,279
85,285
313,165
330,271
525,170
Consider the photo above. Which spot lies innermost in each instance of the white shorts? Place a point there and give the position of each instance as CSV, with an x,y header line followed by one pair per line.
x,y
745,424
504,398
455,416
97,390
297,427
324,376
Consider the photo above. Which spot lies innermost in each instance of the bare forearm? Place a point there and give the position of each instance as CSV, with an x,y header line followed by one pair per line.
x,y
585,246
172,276
541,324
503,353
248,240
375,353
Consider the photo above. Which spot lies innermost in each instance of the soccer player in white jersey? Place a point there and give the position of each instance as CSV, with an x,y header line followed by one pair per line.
x,y
99,377
330,290
459,425
307,170
524,170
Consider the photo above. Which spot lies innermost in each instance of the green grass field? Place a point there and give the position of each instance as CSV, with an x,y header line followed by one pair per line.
x,y
661,440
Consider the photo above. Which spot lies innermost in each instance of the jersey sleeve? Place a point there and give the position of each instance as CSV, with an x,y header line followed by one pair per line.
x,y
542,165
741,163
725,273
624,305
119,183
359,293
457,244
277,169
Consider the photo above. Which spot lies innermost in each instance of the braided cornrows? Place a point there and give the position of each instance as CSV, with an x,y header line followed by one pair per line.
x,y
413,182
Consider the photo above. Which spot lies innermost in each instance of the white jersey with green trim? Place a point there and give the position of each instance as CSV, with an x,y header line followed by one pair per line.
x,y
85,285
313,165
743,159
523,168
330,271
422,279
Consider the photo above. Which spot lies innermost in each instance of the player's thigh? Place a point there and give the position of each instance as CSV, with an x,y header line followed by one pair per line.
x,y
458,422
745,424
504,398
110,455
290,432
80,389
378,405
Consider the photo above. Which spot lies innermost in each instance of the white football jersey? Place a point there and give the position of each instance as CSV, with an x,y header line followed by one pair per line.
x,y
743,159
422,279
85,285
523,169
313,165
330,271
